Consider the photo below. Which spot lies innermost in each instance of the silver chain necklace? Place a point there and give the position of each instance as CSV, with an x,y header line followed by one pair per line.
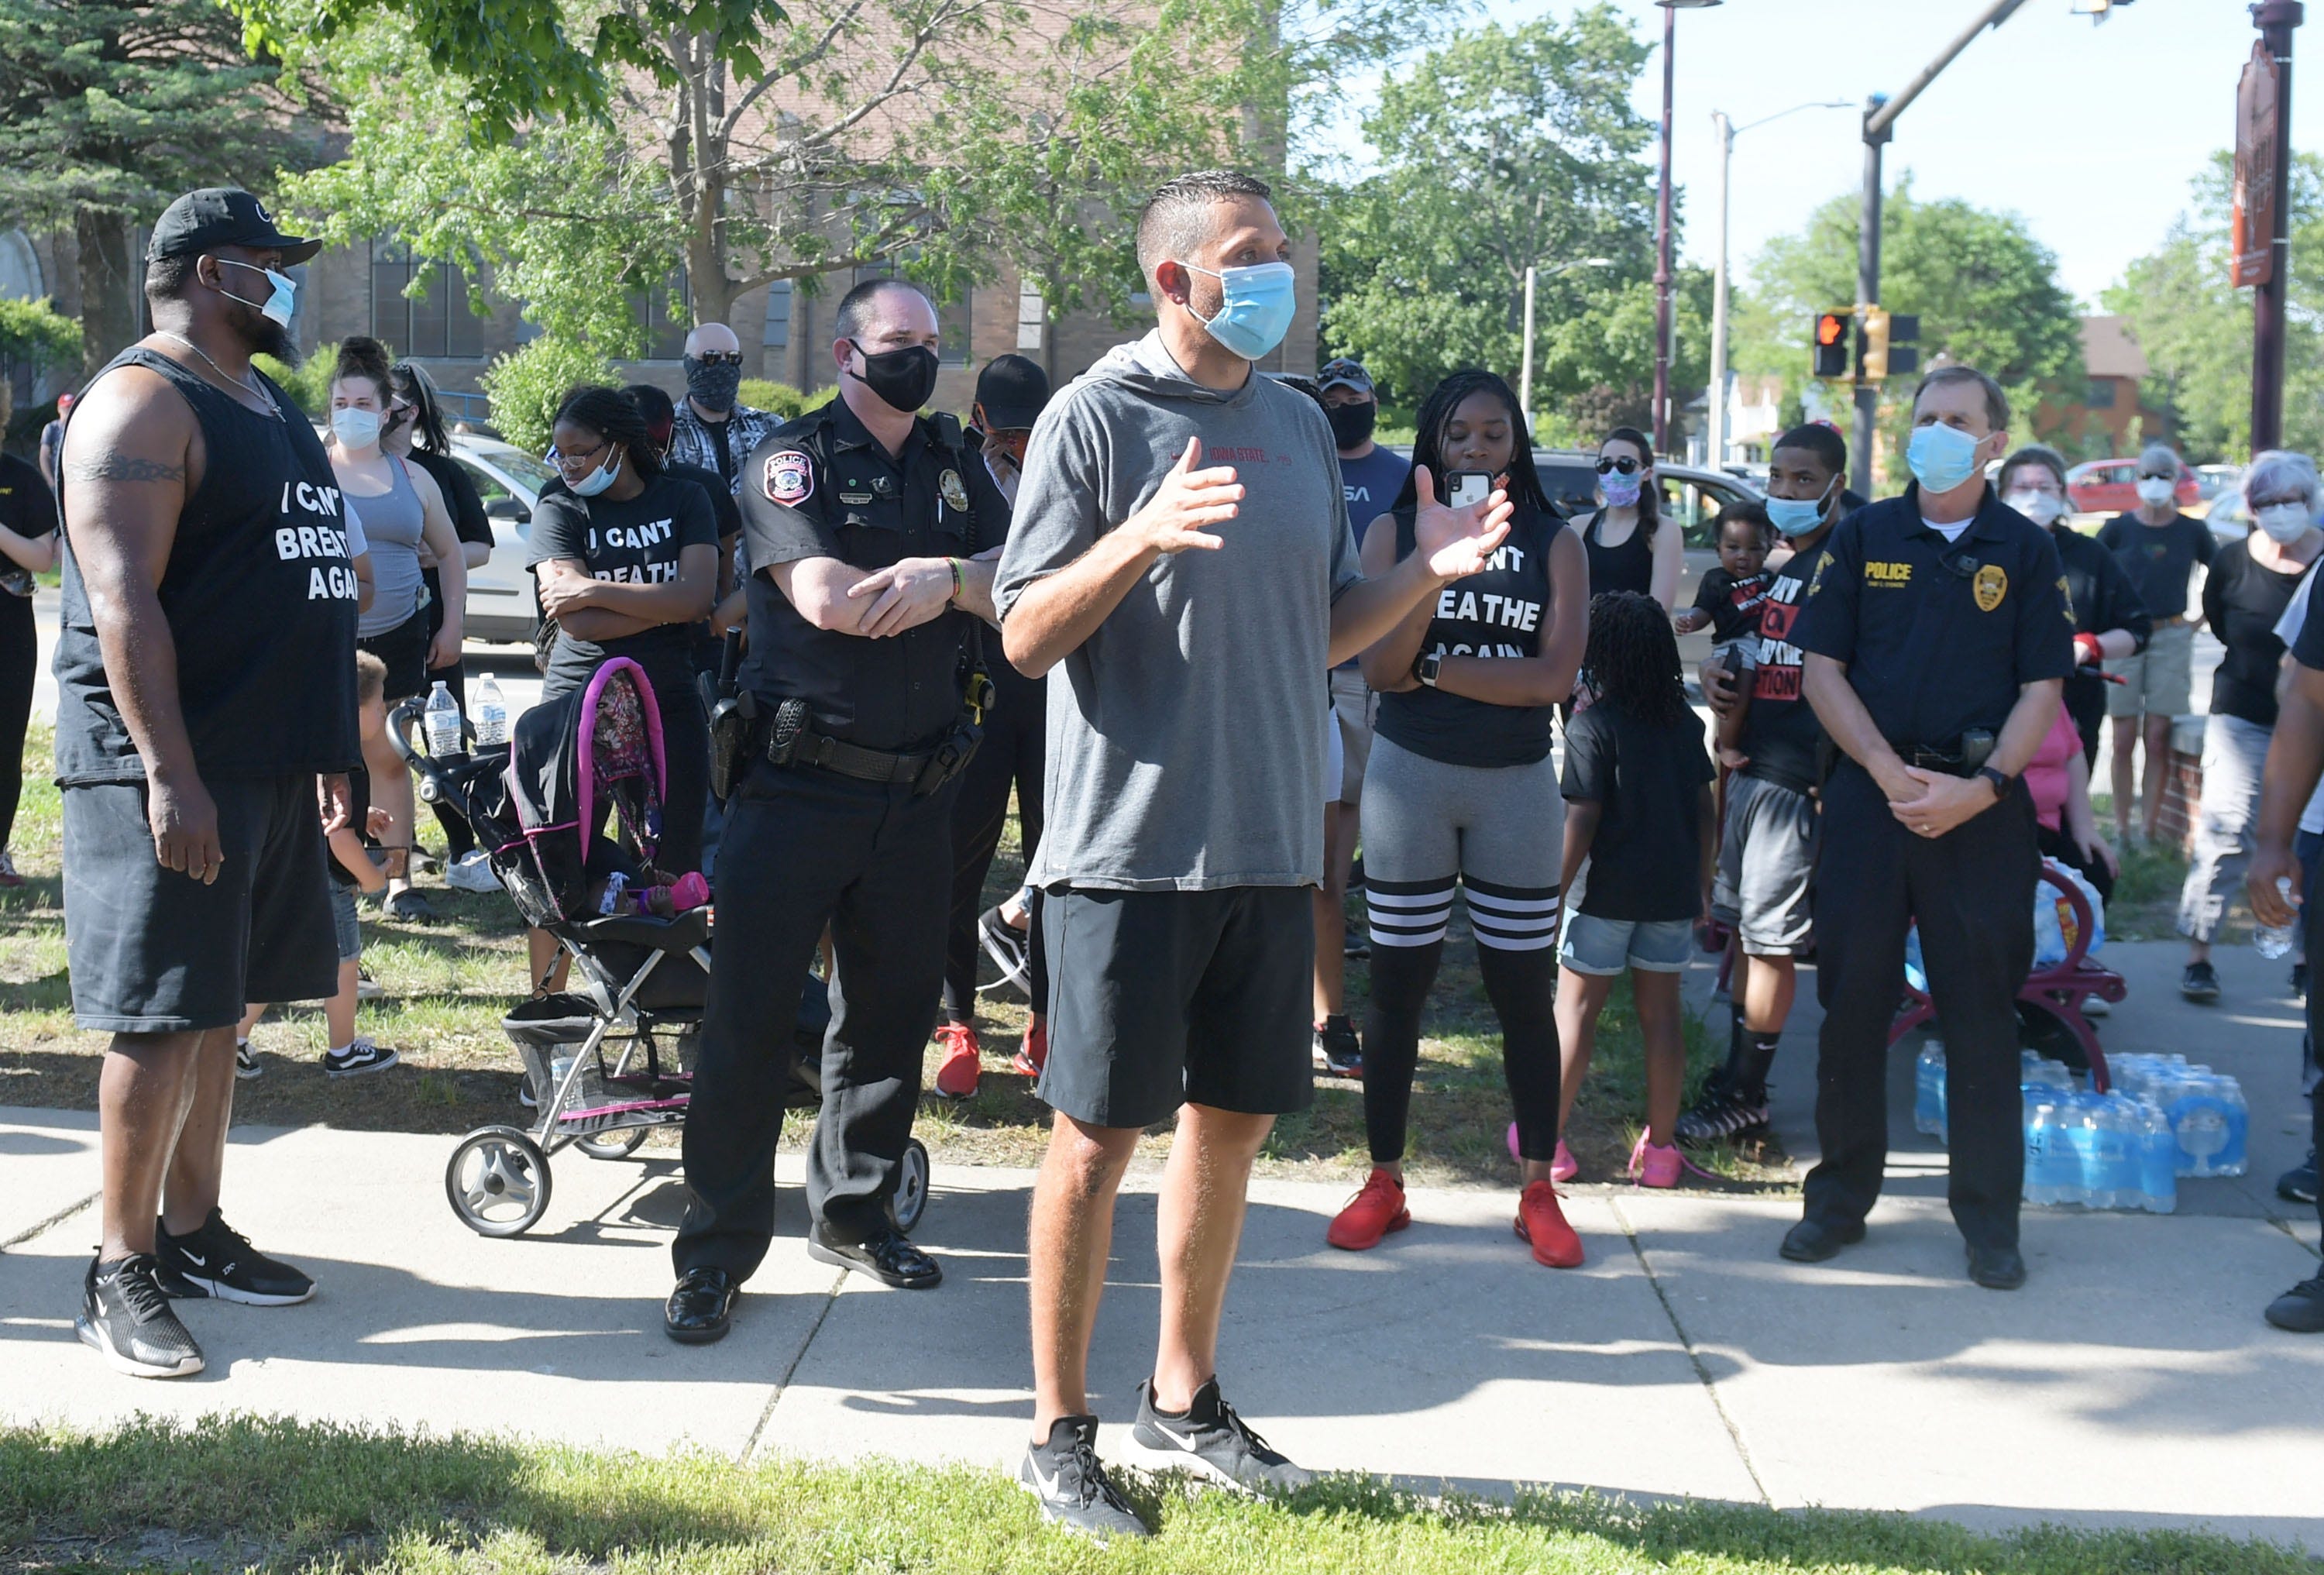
x,y
222,372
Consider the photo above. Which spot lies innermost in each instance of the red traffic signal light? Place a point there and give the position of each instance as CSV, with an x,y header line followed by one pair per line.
x,y
1830,344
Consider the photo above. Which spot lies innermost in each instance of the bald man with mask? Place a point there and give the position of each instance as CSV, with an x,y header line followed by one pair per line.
x,y
713,431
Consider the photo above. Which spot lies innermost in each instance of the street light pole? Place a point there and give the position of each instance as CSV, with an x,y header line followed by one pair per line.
x,y
1880,114
1525,374
1663,246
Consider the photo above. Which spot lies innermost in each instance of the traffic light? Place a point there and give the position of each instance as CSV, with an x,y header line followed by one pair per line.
x,y
1903,335
1876,344
1830,344
1887,343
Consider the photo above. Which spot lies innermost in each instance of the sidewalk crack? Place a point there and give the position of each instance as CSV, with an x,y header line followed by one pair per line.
x,y
783,1382
58,1218
1694,1357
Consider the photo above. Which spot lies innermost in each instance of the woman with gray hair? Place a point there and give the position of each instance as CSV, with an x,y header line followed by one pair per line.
x,y
2251,583
2158,549
2110,620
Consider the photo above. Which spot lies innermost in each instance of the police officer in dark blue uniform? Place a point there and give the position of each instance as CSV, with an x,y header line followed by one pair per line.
x,y
1938,636
862,523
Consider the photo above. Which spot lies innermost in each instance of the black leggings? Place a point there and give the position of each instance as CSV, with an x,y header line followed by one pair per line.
x,y
1519,985
1010,756
458,839
19,645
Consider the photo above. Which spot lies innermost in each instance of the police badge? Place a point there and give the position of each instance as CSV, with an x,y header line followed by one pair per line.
x,y
954,491
790,477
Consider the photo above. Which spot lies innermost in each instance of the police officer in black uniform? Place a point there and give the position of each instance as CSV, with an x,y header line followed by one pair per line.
x,y
1938,635
862,523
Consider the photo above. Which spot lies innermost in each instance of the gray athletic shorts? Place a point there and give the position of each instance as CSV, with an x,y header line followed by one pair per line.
x,y
154,952
1498,830
1767,865
1353,708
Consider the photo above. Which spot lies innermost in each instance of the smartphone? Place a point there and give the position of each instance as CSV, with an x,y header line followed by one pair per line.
x,y
1464,487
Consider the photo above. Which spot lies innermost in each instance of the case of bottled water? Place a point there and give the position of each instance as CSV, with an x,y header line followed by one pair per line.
x,y
1929,1091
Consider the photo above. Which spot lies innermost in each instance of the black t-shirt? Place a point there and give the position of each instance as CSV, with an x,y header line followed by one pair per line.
x,y
1733,604
28,507
2243,602
1495,613
1645,862
1780,734
1939,636
2158,558
2103,599
721,501
470,523
636,542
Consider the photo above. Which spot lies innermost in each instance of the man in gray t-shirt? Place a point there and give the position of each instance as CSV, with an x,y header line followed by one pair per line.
x,y
1180,553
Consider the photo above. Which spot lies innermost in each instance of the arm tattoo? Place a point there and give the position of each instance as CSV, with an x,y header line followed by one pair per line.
x,y
123,467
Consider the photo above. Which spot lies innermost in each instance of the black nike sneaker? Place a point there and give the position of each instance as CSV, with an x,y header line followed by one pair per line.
x,y
126,1320
1210,1438
217,1260
1069,1481
1723,1113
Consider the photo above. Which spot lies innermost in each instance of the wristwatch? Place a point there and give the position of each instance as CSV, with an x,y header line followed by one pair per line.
x,y
1426,668
2000,779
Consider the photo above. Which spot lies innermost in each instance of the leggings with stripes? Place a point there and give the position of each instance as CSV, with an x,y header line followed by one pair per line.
x,y
1499,832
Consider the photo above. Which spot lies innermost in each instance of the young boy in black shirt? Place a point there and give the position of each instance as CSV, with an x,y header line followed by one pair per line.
x,y
1729,599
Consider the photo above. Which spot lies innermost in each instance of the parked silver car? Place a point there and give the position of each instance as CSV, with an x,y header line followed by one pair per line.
x,y
501,605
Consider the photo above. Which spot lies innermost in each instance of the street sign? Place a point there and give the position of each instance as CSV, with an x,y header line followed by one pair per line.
x,y
2252,229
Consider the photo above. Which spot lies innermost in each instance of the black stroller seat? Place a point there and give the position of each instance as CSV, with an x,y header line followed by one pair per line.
x,y
679,935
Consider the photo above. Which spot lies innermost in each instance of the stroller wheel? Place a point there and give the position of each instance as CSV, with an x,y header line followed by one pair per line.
x,y
498,1182
911,1199
615,1145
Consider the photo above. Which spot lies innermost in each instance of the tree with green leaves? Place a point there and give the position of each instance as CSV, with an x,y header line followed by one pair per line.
x,y
34,338
1987,292
2196,328
954,137
1501,149
109,108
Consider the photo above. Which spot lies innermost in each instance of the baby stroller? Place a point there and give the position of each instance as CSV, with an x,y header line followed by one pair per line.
x,y
611,1057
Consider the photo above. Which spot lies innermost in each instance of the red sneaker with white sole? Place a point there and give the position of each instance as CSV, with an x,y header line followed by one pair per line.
x,y
1033,1054
957,1072
1541,1223
1370,1214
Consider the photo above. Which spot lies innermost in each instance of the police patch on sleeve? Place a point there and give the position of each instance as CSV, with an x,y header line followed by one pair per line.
x,y
955,490
790,477
1990,585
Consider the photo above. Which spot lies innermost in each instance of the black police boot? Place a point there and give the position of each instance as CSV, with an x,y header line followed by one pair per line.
x,y
702,1308
1813,1240
1997,1268
887,1255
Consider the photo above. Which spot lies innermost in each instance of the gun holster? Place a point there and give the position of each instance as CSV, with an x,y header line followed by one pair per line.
x,y
952,756
733,721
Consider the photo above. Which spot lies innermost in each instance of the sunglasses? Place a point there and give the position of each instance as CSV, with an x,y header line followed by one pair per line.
x,y
720,358
1627,466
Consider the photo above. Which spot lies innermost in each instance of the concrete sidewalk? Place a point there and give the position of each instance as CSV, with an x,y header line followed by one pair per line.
x,y
2132,1383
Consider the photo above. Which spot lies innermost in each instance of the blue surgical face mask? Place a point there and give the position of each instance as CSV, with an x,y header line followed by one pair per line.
x,y
599,479
355,428
1943,458
1798,516
1255,306
280,305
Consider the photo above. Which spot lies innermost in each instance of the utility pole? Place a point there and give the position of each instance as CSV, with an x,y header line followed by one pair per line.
x,y
1716,453
1663,246
2275,19
1525,370
1880,112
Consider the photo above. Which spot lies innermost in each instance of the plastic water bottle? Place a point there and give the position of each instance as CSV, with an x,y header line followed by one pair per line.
x,y
2053,1171
2110,1162
2158,1160
442,722
1929,1091
2041,1072
491,714
2275,941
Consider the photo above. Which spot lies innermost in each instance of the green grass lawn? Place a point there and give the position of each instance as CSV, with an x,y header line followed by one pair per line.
x,y
244,1494
448,983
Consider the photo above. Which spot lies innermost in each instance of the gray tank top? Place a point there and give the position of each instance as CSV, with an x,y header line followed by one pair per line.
x,y
391,523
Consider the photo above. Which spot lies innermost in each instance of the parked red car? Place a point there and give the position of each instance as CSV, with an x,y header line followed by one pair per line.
x,y
2110,486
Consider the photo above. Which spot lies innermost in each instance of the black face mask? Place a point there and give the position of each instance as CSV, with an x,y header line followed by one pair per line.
x,y
712,385
903,378
1352,425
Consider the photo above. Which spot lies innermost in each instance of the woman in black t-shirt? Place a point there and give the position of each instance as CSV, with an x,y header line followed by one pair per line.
x,y
28,547
627,562
2250,584
1630,547
1460,787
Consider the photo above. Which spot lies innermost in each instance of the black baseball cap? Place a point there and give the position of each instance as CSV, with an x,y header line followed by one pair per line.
x,y
1012,389
223,216
1346,372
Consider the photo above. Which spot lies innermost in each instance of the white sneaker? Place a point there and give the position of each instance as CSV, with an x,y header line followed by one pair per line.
x,y
473,872
2095,1006
245,1064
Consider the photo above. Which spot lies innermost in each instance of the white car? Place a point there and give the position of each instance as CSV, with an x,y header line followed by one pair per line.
x,y
501,605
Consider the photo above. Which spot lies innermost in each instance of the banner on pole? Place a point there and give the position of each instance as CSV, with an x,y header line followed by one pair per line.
x,y
2251,231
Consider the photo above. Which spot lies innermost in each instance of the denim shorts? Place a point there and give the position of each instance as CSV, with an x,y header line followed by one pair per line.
x,y
1605,946
344,929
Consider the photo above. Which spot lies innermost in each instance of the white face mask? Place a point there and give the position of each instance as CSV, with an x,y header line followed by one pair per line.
x,y
2041,508
2155,489
355,427
2285,523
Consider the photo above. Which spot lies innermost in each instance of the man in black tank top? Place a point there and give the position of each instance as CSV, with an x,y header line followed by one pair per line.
x,y
206,719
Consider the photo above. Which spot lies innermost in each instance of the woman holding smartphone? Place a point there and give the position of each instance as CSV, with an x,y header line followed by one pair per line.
x,y
1461,789
1628,548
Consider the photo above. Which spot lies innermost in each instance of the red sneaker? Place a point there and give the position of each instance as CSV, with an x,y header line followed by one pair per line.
x,y
1033,1054
956,1073
1371,1215
1541,1222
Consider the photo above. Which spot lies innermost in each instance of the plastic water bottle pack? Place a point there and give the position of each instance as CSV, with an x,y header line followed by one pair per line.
x,y
2209,1119
1929,1091
2100,1151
